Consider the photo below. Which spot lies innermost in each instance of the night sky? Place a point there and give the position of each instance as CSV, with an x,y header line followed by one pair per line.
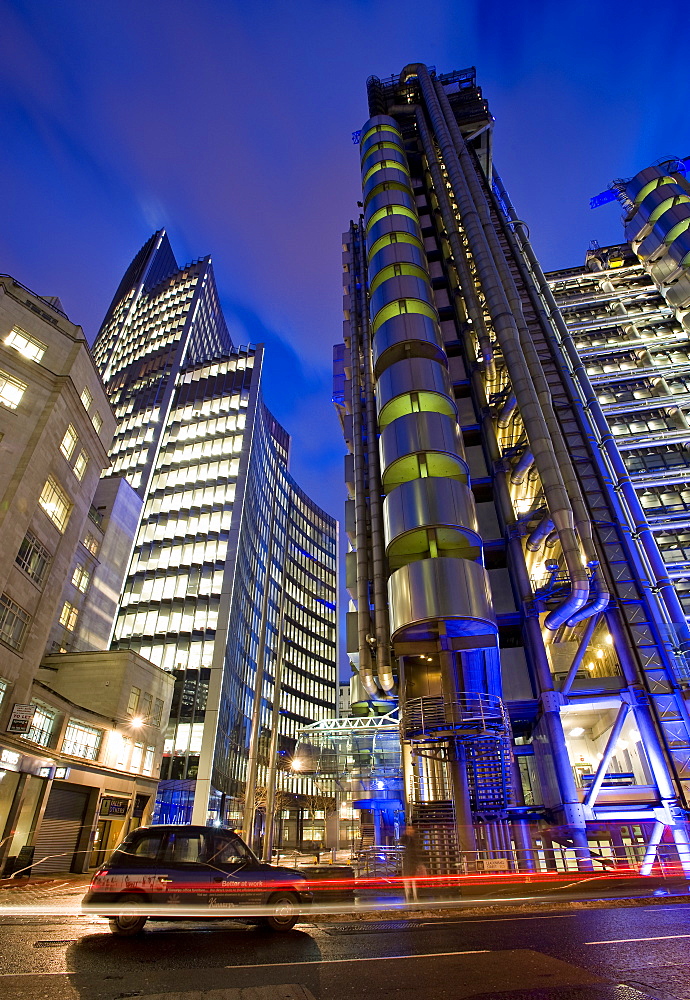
x,y
229,124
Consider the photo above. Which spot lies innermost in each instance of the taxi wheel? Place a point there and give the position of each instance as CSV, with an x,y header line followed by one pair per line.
x,y
284,914
128,924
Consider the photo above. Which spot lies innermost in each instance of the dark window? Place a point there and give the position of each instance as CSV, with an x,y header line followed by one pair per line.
x,y
186,848
228,849
144,847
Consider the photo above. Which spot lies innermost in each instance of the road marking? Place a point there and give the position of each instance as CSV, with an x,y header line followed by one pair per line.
x,y
659,937
343,961
494,920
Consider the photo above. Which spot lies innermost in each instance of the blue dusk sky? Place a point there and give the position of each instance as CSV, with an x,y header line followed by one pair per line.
x,y
229,123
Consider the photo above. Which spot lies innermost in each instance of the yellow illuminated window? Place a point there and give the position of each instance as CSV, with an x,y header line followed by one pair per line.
x,y
11,390
97,421
80,465
26,344
56,504
91,543
81,577
68,616
86,398
69,442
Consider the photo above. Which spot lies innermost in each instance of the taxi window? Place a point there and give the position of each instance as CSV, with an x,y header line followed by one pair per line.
x,y
144,847
229,849
186,848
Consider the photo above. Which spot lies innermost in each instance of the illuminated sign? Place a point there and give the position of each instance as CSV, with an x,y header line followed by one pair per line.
x,y
114,807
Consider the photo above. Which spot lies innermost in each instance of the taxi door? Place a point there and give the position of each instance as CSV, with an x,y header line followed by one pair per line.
x,y
234,879
184,875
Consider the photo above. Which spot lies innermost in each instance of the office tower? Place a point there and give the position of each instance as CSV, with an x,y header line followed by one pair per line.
x,y
504,583
74,772
627,311
232,579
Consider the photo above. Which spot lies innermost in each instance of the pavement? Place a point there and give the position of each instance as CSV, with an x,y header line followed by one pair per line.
x,y
612,953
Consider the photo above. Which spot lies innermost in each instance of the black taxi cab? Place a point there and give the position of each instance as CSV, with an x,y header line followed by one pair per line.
x,y
182,872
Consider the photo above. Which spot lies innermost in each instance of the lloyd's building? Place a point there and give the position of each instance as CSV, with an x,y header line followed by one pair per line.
x,y
507,589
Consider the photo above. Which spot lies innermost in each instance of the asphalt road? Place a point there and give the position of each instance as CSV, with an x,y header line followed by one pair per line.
x,y
623,953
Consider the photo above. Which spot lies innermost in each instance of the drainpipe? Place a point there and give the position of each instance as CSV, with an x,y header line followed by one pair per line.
x,y
383,667
506,330
363,615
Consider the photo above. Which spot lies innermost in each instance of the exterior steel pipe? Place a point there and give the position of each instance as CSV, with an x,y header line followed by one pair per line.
x,y
363,615
506,413
562,456
581,518
542,530
607,443
521,468
460,258
383,667
506,330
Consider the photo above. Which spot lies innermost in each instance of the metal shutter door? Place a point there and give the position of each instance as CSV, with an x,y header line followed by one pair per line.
x,y
59,833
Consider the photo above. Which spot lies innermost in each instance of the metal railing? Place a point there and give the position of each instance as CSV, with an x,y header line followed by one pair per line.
x,y
470,714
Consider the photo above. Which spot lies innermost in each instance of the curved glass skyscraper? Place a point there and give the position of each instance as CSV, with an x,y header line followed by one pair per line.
x,y
232,580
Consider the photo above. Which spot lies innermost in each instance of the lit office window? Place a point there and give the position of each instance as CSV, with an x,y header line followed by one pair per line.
x,y
86,398
148,760
81,577
80,465
25,344
69,442
11,390
55,502
137,754
91,543
33,558
41,725
82,740
68,616
97,421
14,622
123,751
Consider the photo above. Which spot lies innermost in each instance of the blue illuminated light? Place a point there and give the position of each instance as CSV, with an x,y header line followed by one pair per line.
x,y
603,199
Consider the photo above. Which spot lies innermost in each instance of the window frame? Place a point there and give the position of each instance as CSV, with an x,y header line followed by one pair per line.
x,y
35,548
40,347
61,496
7,608
8,401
